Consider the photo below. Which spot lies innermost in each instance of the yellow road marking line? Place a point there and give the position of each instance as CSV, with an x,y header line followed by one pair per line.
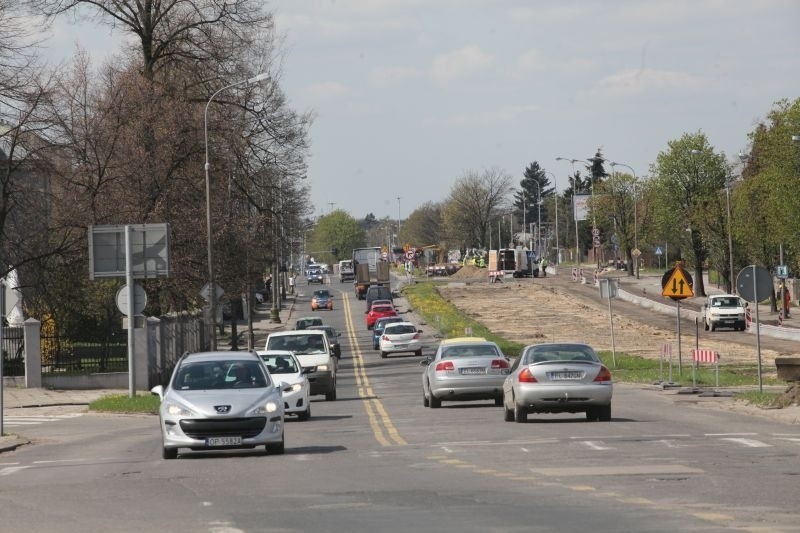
x,y
379,419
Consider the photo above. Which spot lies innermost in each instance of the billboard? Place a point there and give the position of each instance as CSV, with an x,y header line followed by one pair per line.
x,y
149,246
580,206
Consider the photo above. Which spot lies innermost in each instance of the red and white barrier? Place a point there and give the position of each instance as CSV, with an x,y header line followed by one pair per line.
x,y
704,356
574,273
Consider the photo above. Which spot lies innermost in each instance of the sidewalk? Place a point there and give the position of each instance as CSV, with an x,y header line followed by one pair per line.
x,y
15,399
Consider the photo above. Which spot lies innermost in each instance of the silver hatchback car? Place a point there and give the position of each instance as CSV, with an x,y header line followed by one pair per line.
x,y
220,400
558,378
465,368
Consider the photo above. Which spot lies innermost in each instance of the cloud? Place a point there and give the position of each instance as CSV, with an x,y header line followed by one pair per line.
x,y
327,90
635,81
505,114
461,63
535,61
388,76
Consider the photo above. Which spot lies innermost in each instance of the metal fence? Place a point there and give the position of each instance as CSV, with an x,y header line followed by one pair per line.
x,y
175,335
13,351
66,356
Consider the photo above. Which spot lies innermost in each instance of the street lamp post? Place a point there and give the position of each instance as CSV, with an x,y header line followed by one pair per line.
x,y
574,207
539,224
398,218
635,211
211,285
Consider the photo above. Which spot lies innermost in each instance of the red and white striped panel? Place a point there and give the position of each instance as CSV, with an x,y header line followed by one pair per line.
x,y
704,356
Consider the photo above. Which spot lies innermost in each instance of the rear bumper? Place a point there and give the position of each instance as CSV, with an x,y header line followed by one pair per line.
x,y
559,399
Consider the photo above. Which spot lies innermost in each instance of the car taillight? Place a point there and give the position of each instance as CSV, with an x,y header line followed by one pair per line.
x,y
526,376
384,338
499,363
603,375
445,366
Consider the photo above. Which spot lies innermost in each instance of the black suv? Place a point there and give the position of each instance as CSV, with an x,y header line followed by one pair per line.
x,y
378,292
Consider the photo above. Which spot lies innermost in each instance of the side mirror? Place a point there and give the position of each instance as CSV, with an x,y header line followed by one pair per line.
x,y
425,362
419,331
158,390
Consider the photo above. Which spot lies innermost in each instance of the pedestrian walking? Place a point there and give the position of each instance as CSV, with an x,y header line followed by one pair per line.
x,y
291,283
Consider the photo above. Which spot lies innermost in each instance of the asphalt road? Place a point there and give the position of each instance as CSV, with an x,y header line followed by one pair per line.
x,y
377,460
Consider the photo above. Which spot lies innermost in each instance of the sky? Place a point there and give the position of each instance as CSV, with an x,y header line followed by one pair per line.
x,y
410,95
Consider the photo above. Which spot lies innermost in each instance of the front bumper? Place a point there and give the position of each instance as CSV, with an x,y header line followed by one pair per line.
x,y
321,382
194,432
295,402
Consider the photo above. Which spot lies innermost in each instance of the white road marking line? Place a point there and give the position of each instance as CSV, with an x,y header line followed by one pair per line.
x,y
729,434
594,445
790,439
526,450
11,470
8,464
207,504
750,443
446,449
627,470
672,444
633,437
54,461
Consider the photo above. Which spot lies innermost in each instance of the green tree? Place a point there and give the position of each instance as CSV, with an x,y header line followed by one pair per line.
x,y
423,227
527,201
615,203
335,232
689,177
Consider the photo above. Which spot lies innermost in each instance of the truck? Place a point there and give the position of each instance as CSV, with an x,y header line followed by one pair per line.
x,y
370,269
512,262
346,272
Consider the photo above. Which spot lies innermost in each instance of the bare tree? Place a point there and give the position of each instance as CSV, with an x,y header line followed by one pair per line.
x,y
474,201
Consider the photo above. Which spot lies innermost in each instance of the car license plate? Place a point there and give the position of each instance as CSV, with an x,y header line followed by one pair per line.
x,y
400,345
223,441
473,370
565,376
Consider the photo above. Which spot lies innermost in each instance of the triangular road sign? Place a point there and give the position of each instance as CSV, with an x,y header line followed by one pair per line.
x,y
678,285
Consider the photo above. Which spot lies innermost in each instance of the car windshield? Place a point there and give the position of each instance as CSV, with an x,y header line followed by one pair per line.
x,y
399,329
322,294
222,374
381,323
470,350
382,309
305,323
329,331
725,302
280,364
563,352
299,344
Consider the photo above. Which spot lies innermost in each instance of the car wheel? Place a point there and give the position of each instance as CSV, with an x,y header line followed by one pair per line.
x,y
705,325
604,413
276,448
425,401
330,396
434,402
305,415
418,353
591,414
712,327
169,453
520,414
383,354
508,414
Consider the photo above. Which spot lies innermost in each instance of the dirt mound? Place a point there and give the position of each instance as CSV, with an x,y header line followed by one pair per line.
x,y
469,272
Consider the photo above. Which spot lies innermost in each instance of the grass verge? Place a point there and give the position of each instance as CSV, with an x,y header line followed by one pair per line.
x,y
448,319
122,403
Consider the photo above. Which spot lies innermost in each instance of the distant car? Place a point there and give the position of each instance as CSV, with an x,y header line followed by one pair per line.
x,y
558,378
379,311
724,311
219,400
333,338
284,367
466,368
307,321
377,292
315,275
313,351
401,337
377,328
322,299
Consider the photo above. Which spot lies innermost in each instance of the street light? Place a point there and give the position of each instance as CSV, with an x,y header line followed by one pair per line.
x,y
398,218
212,289
574,207
635,216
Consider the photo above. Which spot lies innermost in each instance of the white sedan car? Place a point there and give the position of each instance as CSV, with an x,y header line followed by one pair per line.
x,y
399,337
284,368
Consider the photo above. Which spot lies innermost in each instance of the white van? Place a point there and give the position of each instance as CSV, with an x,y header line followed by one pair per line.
x,y
312,349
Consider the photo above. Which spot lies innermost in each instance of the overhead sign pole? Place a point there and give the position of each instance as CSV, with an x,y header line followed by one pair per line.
x,y
2,327
130,312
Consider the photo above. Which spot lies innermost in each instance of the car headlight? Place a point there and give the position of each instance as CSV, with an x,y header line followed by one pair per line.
x,y
176,409
322,368
293,388
269,407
